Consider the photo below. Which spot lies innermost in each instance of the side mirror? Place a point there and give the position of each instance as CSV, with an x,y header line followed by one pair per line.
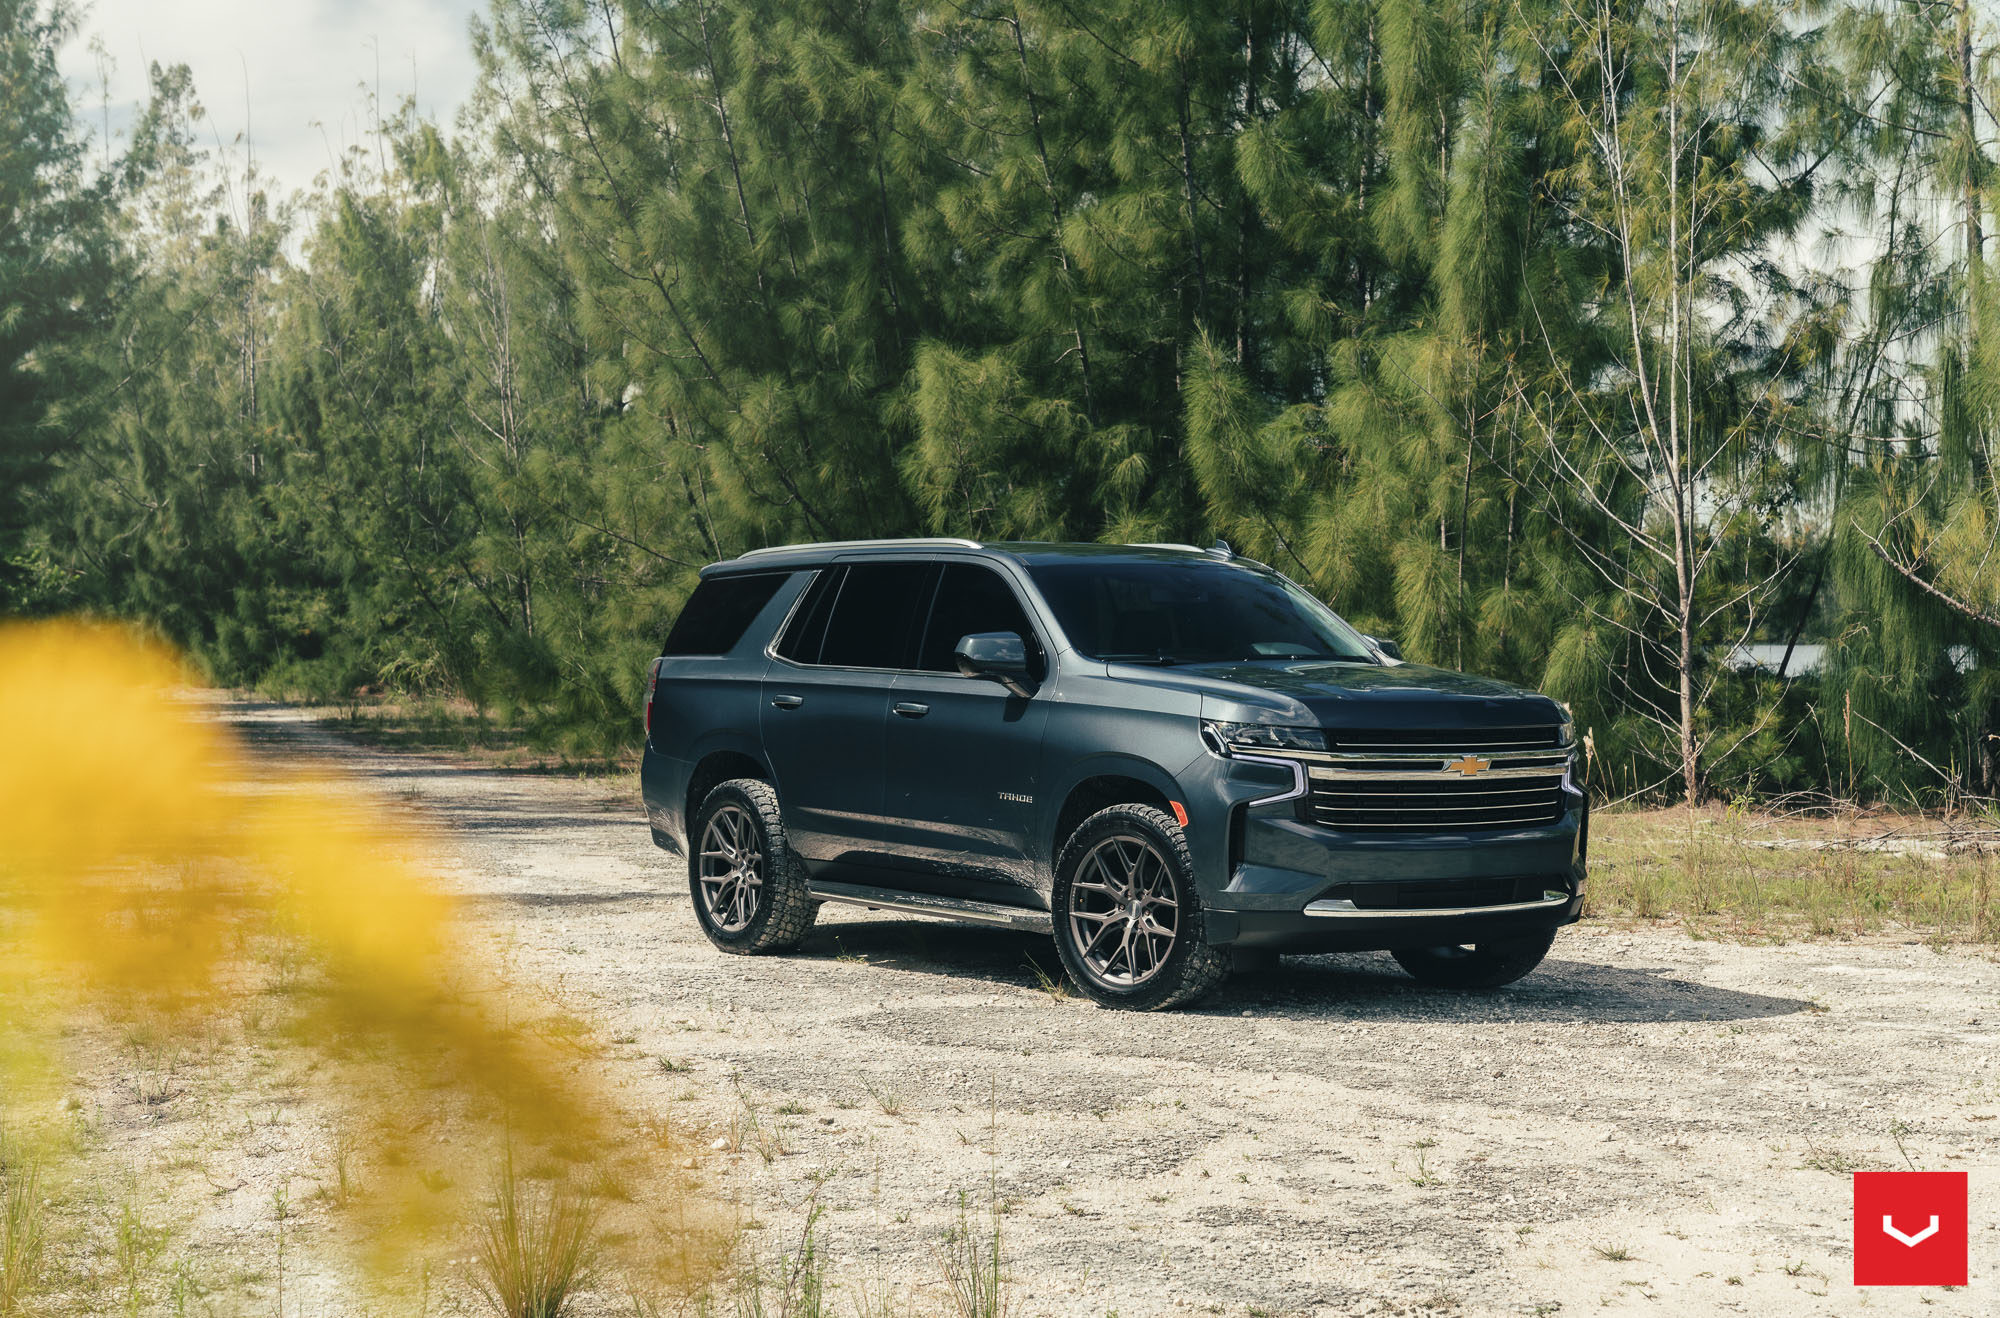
x,y
997,657
1387,646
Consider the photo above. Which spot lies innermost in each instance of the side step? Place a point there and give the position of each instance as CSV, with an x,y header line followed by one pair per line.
x,y
943,908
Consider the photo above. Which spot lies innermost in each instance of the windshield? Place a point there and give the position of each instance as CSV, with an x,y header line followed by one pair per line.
x,y
1191,612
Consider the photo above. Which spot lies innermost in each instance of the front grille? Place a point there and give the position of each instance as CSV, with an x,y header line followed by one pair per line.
x,y
1454,805
1518,737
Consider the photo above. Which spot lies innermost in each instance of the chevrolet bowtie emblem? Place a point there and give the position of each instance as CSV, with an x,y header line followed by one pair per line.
x,y
1468,765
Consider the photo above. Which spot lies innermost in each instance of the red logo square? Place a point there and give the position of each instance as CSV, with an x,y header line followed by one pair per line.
x,y
1910,1228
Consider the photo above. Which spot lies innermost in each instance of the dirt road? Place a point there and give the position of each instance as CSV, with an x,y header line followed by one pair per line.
x,y
1649,1123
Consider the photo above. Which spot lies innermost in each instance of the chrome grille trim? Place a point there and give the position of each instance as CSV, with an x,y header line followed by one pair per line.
x,y
1433,774
1546,755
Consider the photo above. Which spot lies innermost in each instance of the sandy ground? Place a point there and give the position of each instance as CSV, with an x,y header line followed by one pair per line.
x,y
1649,1123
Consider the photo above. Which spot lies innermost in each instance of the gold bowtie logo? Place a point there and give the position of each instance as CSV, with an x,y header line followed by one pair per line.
x,y
1468,765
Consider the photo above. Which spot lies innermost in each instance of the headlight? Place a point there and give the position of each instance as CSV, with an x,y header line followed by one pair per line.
x,y
1260,737
1566,734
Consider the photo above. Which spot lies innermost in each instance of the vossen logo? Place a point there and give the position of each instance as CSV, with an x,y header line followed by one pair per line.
x,y
1910,1228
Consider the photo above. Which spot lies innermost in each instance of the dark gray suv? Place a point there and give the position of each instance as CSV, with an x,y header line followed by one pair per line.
x,y
1170,758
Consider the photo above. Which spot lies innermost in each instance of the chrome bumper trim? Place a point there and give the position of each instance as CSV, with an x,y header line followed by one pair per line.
x,y
1341,909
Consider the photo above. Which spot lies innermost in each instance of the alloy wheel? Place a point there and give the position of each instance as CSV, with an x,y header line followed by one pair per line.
x,y
1122,912
732,869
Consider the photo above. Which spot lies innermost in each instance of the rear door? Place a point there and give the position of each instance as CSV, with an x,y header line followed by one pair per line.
x,y
963,753
826,704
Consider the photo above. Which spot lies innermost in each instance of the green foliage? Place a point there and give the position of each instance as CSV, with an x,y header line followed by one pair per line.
x,y
58,267
1575,345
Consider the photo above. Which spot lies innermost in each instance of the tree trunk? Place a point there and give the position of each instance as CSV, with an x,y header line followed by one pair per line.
x,y
1055,214
1975,244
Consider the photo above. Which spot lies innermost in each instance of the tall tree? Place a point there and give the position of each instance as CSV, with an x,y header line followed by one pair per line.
x,y
57,265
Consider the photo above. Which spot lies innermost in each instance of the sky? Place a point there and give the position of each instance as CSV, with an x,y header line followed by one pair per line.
x,y
292,75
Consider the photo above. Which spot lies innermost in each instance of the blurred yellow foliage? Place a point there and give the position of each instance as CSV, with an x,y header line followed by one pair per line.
x,y
152,869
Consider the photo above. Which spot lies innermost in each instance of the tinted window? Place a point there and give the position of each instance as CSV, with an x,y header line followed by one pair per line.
x,y
802,638
970,599
1191,612
715,617
874,617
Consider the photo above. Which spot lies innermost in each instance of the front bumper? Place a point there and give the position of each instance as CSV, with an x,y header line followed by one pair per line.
x,y
1292,885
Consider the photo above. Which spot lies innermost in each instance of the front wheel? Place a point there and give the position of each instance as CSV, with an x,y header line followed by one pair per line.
x,y
749,890
1129,924
1482,965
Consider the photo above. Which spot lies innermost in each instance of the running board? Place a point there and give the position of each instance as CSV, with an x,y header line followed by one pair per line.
x,y
942,908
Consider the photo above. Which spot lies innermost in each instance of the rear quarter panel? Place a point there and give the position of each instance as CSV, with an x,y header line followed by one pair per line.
x,y
703,704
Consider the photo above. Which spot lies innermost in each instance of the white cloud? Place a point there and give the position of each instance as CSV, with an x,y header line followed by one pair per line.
x,y
309,66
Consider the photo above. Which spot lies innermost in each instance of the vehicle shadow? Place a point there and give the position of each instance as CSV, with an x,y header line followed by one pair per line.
x,y
1356,986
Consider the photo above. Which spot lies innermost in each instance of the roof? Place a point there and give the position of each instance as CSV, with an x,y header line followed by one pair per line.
x,y
1024,551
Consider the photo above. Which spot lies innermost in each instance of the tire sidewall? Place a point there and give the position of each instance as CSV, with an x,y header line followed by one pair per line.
x,y
1158,828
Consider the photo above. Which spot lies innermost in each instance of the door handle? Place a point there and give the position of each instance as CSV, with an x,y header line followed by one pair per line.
x,y
910,709
788,702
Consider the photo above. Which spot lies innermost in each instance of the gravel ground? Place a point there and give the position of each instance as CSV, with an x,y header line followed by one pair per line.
x,y
1649,1122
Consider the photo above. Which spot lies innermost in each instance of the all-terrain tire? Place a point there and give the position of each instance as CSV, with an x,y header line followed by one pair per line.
x,y
1186,969
1478,966
776,912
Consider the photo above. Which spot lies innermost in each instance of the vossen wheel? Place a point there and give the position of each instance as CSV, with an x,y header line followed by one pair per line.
x,y
1129,924
749,888
1476,965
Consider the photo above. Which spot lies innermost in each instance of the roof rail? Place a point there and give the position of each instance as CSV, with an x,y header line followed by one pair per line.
x,y
1163,545
954,541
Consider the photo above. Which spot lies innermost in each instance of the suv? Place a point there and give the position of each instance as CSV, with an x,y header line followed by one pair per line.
x,y
1172,759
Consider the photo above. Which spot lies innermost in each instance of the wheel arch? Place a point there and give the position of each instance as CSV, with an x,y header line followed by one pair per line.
x,y
1107,781
718,765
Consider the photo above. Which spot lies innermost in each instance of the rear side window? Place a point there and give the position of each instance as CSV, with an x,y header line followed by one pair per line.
x,y
720,611
971,599
875,616
807,630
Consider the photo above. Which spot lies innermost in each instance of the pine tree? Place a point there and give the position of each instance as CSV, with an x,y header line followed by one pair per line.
x,y
57,269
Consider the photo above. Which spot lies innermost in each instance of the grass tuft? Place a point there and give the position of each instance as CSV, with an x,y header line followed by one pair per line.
x,y
23,1232
537,1247
974,1268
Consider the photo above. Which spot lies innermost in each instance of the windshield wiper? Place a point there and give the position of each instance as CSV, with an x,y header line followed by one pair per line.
x,y
1156,658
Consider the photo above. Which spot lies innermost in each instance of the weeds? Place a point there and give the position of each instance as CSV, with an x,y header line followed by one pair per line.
x,y
1423,1179
536,1248
136,1245
1831,1161
974,1271
1740,873
344,1153
794,1288
747,1130
1055,986
23,1231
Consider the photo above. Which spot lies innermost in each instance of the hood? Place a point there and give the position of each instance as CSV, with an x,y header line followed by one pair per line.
x,y
1359,695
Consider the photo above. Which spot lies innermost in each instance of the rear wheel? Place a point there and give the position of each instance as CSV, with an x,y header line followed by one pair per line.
x,y
749,888
1129,924
1476,965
